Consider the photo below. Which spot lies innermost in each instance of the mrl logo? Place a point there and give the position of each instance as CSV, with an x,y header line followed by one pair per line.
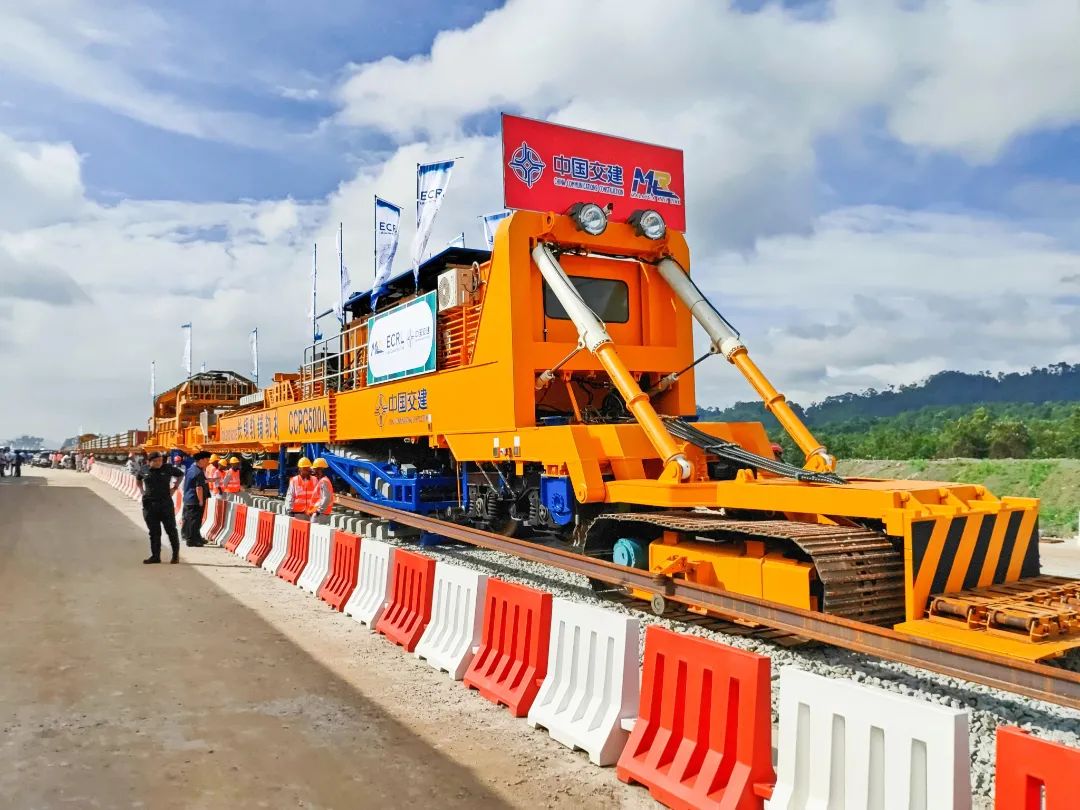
x,y
305,421
652,185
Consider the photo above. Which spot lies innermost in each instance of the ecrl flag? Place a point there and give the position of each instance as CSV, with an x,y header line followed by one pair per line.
x,y
387,220
431,182
187,347
491,222
153,381
254,340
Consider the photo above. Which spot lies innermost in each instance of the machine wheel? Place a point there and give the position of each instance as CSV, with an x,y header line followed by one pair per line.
x,y
658,604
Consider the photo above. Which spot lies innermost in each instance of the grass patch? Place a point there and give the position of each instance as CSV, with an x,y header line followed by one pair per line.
x,y
1055,482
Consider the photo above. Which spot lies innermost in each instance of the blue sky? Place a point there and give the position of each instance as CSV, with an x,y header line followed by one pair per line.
x,y
846,160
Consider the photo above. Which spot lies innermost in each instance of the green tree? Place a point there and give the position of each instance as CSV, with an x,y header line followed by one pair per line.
x,y
1009,438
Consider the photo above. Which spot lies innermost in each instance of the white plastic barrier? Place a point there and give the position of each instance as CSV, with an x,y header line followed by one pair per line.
x,y
318,563
219,537
211,513
592,680
368,601
457,609
847,746
280,545
251,530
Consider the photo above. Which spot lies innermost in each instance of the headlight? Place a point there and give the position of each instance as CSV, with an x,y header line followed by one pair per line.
x,y
589,217
648,223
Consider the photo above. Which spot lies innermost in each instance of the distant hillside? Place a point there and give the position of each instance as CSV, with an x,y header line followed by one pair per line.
x,y
1059,382
952,414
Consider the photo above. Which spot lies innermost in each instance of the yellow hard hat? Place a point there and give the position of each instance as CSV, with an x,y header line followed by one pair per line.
x,y
234,460
215,458
303,463
319,464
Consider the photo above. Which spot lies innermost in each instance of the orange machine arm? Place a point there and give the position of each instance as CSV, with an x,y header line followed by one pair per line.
x,y
725,341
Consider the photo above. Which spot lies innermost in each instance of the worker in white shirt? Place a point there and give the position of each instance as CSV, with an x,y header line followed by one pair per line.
x,y
324,492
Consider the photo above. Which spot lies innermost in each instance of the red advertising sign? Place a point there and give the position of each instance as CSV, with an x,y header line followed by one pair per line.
x,y
547,167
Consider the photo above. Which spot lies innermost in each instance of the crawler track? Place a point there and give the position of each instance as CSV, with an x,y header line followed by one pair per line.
x,y
1040,681
861,573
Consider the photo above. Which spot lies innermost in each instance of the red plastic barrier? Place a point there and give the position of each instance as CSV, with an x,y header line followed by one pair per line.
x,y
264,538
703,736
296,556
238,527
512,660
408,609
1034,774
344,569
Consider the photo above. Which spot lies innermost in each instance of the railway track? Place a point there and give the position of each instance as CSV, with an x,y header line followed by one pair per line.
x,y
1052,684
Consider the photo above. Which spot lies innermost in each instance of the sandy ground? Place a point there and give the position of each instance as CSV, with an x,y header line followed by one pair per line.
x,y
214,685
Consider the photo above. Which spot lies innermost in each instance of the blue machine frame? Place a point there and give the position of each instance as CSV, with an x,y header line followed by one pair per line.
x,y
400,489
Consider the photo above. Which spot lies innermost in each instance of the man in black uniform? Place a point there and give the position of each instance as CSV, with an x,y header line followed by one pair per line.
x,y
157,482
196,493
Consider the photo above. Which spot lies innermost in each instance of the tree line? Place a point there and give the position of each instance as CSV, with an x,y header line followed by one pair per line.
x,y
1033,414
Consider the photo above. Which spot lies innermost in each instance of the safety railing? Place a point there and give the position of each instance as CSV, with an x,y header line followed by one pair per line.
x,y
336,364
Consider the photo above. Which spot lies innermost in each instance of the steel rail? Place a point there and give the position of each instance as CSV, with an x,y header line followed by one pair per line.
x,y
1051,684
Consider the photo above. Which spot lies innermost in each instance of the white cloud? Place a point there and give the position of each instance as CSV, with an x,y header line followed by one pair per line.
x,y
878,296
112,56
966,76
39,183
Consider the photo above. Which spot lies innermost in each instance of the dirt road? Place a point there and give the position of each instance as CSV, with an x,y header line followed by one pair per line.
x,y
213,685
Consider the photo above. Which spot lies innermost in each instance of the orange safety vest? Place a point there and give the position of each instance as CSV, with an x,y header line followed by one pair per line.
x,y
212,478
303,492
324,483
231,481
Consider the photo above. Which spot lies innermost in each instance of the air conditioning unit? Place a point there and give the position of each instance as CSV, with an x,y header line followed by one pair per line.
x,y
456,287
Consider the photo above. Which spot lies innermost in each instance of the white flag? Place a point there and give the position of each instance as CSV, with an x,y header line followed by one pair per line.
x,y
153,382
202,367
187,347
314,284
490,223
343,275
457,241
254,340
387,220
431,182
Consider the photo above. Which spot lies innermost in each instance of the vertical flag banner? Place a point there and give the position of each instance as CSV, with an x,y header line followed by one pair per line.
x,y
387,220
431,182
343,274
490,223
153,381
187,347
254,340
457,241
202,368
314,292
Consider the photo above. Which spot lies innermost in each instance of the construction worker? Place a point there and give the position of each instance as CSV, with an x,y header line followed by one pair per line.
x,y
231,480
213,474
324,492
301,495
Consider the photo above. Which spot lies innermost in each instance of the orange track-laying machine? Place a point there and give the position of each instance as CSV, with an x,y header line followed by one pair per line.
x,y
546,389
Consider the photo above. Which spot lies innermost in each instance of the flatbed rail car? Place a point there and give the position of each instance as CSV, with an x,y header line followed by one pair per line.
x,y
546,390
